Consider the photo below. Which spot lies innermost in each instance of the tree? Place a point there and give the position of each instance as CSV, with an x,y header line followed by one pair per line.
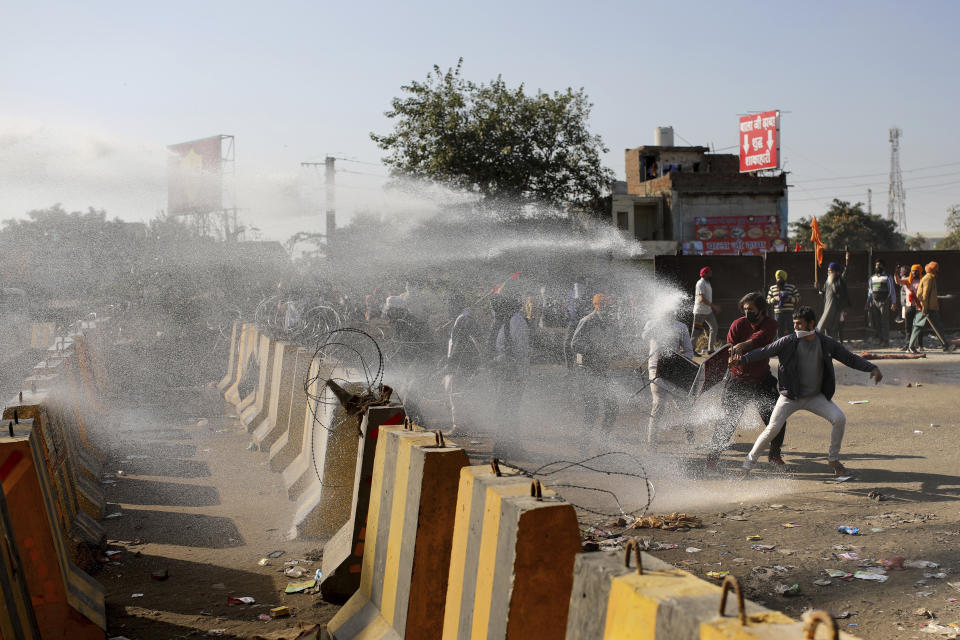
x,y
495,141
846,225
917,242
952,241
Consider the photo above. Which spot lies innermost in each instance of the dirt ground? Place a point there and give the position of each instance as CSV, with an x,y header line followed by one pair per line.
x,y
195,502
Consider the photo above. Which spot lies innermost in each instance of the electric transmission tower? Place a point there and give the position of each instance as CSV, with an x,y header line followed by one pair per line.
x,y
896,204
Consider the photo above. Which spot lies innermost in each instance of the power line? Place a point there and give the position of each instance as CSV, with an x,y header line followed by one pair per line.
x,y
874,175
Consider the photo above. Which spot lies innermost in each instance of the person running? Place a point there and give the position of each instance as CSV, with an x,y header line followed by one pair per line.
x,y
783,297
908,300
881,300
835,302
928,316
464,356
665,336
806,381
748,382
704,311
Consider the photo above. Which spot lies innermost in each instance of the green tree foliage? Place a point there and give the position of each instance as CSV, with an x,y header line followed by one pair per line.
x,y
952,241
496,141
848,225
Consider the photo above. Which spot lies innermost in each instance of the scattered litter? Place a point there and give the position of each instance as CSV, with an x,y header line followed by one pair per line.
x,y
858,402
871,575
926,613
120,472
263,562
920,564
252,446
790,525
850,555
280,612
932,425
823,582
318,575
663,546
242,600
754,538
216,632
838,573
475,442
290,563
737,518
136,595
275,554
879,497
877,530
693,550
111,553
297,587
668,522
843,615
938,575
924,594
787,591
202,422
941,629
264,617
896,562
776,506
850,531
917,432
293,572
951,599
763,547
955,585
842,547
717,575
160,575
115,514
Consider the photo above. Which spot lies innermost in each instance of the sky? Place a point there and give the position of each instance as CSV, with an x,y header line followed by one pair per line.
x,y
92,93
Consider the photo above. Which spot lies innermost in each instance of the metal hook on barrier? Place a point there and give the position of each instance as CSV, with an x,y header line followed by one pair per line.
x,y
810,628
495,465
407,423
536,490
731,582
439,438
633,546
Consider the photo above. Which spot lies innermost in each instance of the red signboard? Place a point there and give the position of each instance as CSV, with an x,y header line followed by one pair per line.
x,y
194,177
760,141
746,235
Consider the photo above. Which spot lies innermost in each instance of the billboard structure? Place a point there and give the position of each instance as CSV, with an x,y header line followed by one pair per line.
x,y
760,141
200,183
736,235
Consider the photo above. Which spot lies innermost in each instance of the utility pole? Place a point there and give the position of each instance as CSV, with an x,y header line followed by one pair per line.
x,y
870,202
896,203
330,170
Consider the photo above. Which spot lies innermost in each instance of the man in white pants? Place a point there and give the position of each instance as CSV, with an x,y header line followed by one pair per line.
x,y
666,335
807,381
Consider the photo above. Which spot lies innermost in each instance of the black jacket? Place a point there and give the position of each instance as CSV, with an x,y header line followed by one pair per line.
x,y
788,378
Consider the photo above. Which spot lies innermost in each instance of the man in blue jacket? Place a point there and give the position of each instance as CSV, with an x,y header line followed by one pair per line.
x,y
806,380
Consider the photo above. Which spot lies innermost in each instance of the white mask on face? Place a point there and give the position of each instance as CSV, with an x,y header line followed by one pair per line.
x,y
803,334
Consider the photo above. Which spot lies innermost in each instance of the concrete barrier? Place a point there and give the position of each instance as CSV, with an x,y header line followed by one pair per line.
x,y
255,412
321,477
512,559
343,553
78,524
233,355
249,341
17,620
289,444
281,387
612,599
68,603
409,534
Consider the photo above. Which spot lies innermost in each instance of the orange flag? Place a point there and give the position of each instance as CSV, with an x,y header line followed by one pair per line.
x,y
815,239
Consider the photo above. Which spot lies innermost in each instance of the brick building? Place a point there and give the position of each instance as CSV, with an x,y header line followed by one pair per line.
x,y
688,198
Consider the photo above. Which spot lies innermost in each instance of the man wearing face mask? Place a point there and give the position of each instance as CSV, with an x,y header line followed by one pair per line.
x,y
881,300
807,382
748,383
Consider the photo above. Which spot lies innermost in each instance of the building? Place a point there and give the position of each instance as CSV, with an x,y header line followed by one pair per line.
x,y
690,199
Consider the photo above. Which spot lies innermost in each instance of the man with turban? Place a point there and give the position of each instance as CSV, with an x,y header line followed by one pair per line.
x,y
909,282
835,301
928,316
782,298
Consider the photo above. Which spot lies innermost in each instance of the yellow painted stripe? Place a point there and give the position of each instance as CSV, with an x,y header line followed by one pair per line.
x,y
486,568
373,512
634,601
458,552
401,487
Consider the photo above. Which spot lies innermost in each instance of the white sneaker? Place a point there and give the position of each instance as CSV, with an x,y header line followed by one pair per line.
x,y
747,464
